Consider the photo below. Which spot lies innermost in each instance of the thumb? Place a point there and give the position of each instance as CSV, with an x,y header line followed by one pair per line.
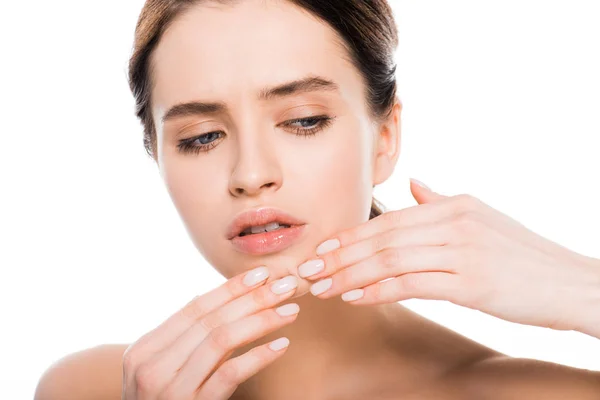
x,y
422,193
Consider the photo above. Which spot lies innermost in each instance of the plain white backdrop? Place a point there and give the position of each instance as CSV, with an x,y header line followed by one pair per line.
x,y
501,100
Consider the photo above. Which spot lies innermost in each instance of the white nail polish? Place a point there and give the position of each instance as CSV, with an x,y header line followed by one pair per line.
x,y
310,268
353,295
321,286
288,309
279,344
283,285
328,246
256,275
420,183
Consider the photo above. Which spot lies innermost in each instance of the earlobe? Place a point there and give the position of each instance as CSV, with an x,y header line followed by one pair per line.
x,y
388,145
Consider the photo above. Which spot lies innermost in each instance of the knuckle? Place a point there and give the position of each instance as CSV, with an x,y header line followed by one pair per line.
x,y
409,283
375,292
228,373
219,339
466,201
261,296
268,318
343,279
379,242
347,236
262,319
391,218
194,308
130,359
147,379
234,288
391,258
210,322
260,356
334,260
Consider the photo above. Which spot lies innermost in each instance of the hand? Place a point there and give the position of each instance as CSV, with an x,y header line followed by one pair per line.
x,y
461,250
186,356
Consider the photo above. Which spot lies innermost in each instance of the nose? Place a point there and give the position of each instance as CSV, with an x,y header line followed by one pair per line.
x,y
257,168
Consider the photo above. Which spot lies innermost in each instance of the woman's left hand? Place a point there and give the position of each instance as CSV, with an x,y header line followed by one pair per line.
x,y
461,250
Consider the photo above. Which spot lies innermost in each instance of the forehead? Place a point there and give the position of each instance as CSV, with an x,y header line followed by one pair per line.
x,y
223,52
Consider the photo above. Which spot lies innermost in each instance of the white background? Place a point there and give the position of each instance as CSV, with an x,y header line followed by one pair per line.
x,y
501,100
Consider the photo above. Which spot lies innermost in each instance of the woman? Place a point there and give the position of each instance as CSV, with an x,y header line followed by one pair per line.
x,y
281,116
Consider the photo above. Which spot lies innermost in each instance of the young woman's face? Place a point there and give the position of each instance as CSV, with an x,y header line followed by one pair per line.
x,y
230,54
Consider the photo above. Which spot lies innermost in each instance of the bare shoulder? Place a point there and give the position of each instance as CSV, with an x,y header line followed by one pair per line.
x,y
504,377
91,374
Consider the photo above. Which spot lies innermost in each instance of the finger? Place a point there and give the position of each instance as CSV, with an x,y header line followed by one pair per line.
x,y
168,331
419,285
430,234
416,215
250,303
235,371
173,357
393,262
221,341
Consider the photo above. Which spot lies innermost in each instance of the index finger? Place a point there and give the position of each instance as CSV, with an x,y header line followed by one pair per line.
x,y
199,306
426,213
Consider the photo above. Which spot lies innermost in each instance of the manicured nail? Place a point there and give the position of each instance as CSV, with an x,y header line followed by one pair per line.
x,y
353,295
311,267
327,246
283,285
288,309
420,183
321,286
279,344
256,275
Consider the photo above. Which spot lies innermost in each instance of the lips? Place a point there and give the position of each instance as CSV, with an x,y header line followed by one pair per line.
x,y
266,242
260,216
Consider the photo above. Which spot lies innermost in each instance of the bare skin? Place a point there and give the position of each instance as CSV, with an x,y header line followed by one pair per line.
x,y
337,350
424,361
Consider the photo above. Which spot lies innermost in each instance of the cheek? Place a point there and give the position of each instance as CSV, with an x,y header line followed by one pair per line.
x,y
188,184
338,182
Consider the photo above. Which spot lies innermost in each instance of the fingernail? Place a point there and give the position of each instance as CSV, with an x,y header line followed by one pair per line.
x,y
279,344
321,286
327,246
256,275
311,267
284,284
288,309
420,183
353,295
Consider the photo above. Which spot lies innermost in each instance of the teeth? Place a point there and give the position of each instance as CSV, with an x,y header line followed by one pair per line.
x,y
272,226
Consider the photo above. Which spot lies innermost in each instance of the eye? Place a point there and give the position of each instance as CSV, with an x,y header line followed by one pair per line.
x,y
187,145
309,126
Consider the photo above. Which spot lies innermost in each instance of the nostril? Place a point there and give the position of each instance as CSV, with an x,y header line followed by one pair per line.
x,y
241,190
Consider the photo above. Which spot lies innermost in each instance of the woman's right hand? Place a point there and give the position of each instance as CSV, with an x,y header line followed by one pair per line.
x,y
187,356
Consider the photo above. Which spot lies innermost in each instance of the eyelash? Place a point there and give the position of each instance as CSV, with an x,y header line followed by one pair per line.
x,y
323,121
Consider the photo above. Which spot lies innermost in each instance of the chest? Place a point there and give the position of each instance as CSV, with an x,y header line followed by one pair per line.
x,y
427,391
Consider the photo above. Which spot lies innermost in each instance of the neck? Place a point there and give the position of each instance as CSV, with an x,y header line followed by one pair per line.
x,y
329,341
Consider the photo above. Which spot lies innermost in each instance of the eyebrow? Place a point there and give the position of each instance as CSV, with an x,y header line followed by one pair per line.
x,y
304,85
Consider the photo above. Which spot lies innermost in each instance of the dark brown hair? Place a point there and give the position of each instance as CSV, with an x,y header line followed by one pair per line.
x,y
367,28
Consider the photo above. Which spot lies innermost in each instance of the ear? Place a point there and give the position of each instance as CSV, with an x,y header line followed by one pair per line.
x,y
387,145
